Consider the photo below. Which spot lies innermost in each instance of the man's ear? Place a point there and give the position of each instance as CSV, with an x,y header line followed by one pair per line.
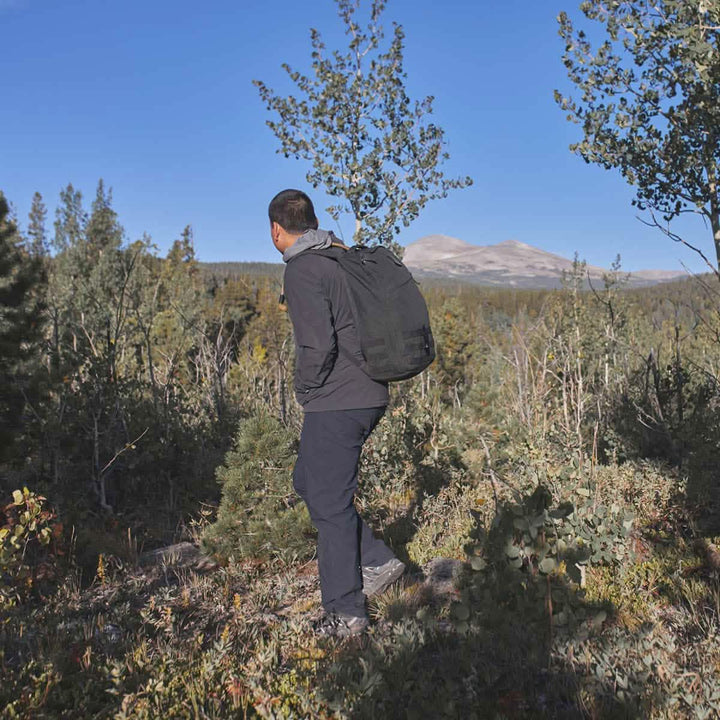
x,y
278,236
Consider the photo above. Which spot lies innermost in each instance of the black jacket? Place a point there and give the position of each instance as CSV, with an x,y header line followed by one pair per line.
x,y
325,339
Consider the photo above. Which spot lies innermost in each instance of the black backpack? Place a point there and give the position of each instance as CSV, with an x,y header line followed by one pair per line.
x,y
390,314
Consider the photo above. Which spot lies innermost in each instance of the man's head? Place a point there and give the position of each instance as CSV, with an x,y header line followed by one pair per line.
x,y
291,213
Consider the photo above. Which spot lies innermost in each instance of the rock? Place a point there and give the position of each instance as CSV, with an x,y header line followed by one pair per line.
x,y
442,569
440,575
182,554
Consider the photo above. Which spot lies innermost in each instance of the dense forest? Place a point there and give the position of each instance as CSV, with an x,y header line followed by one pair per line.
x,y
558,462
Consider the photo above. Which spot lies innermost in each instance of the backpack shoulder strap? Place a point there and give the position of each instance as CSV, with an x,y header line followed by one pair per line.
x,y
323,252
329,252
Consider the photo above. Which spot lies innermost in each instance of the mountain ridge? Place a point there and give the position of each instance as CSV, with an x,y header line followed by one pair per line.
x,y
509,263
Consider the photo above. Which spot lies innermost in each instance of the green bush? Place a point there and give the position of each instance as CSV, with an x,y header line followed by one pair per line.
x,y
26,555
259,515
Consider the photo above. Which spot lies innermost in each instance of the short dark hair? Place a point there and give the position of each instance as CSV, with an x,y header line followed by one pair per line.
x,y
293,211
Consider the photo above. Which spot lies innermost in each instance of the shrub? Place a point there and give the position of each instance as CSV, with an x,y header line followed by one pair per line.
x,y
259,514
26,555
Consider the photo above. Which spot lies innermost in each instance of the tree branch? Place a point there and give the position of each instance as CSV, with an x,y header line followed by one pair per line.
x,y
678,239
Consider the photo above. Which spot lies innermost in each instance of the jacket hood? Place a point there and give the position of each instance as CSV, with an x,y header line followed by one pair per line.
x,y
309,240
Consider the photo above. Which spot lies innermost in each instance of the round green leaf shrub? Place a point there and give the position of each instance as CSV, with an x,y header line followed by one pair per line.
x,y
28,553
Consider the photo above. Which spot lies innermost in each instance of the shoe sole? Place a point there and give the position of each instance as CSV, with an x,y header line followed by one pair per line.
x,y
383,582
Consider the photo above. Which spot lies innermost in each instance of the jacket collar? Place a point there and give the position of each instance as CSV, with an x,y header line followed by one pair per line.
x,y
309,240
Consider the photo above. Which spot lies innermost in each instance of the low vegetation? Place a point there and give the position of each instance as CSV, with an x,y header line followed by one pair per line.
x,y
551,482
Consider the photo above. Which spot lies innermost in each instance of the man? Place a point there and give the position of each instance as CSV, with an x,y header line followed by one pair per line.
x,y
342,405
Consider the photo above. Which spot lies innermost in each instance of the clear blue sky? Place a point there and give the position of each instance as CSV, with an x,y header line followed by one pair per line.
x,y
156,98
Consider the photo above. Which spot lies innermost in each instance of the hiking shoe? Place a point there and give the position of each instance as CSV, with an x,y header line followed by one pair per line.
x,y
377,579
337,625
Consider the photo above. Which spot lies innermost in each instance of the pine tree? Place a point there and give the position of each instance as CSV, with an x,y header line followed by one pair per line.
x,y
64,274
89,307
104,232
183,250
88,278
181,302
37,235
70,219
259,514
20,329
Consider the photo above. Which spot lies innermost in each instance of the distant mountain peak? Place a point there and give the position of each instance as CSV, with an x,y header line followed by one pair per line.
x,y
436,247
510,263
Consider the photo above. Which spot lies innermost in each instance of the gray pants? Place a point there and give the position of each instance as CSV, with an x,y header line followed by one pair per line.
x,y
325,477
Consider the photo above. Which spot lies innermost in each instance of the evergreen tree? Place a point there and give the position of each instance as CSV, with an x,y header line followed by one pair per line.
x,y
37,235
65,271
89,307
70,219
20,327
259,514
12,214
103,232
176,325
183,250
143,293
89,276
105,278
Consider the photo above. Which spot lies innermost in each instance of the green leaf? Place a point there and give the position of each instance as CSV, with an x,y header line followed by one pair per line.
x,y
547,565
477,563
583,492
